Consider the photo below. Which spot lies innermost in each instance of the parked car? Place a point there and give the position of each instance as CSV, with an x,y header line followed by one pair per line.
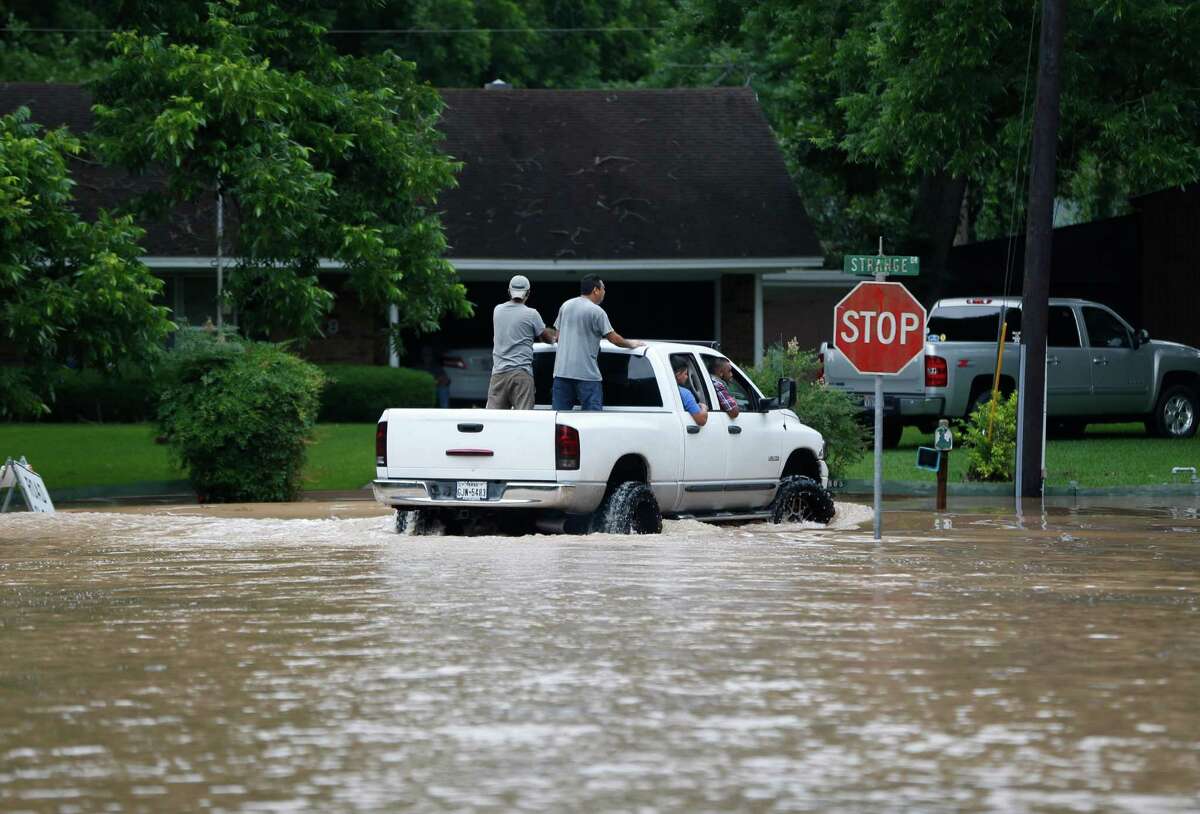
x,y
618,470
1099,369
469,371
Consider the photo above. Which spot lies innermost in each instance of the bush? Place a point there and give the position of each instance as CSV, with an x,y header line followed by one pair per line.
x,y
830,412
238,416
362,392
992,459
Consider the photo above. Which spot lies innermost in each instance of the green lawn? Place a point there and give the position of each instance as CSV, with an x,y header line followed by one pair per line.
x,y
77,455
1109,455
342,456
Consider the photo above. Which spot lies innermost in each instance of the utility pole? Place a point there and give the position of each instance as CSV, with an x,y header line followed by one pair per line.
x,y
1038,237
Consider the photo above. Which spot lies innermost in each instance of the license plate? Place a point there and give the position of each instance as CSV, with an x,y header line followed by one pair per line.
x,y
471,490
868,402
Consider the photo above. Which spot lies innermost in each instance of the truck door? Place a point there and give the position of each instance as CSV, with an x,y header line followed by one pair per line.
x,y
1068,365
1120,384
755,448
704,448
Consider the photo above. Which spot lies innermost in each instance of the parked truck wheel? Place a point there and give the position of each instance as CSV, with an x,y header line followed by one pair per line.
x,y
1176,413
417,522
801,499
631,508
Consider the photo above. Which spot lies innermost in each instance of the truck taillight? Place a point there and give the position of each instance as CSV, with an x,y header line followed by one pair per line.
x,y
566,447
381,444
935,372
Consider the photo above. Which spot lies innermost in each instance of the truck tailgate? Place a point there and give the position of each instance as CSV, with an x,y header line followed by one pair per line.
x,y
478,444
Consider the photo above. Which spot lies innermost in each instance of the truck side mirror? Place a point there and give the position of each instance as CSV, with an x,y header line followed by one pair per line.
x,y
787,392
1140,338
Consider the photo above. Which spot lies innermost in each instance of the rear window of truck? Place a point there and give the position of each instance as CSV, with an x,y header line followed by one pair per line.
x,y
629,380
973,323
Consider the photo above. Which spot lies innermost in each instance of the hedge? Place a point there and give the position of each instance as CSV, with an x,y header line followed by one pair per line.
x,y
354,393
359,393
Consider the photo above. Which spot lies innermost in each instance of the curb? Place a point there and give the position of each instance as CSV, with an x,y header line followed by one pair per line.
x,y
898,488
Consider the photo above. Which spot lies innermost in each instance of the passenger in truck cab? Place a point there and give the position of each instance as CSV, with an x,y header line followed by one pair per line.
x,y
721,371
695,409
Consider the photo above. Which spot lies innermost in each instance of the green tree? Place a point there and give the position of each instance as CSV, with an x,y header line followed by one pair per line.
x,y
317,157
894,112
69,290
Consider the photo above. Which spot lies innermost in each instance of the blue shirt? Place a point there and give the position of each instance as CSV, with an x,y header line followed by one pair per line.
x,y
689,401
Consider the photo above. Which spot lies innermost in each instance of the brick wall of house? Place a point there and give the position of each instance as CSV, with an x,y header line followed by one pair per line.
x,y
805,314
737,317
353,334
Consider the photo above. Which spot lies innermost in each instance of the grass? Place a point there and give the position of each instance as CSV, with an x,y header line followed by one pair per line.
x,y
342,456
78,455
1108,455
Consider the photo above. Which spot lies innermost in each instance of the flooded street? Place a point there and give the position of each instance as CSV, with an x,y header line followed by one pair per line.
x,y
184,659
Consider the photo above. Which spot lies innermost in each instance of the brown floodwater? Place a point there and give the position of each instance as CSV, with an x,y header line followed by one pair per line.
x,y
307,658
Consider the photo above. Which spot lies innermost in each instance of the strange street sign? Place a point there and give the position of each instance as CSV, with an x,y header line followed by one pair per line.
x,y
889,264
879,328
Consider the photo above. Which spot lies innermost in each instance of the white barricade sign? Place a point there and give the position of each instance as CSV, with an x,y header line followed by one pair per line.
x,y
17,474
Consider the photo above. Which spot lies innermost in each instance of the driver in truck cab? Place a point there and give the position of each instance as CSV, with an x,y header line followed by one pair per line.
x,y
695,409
721,371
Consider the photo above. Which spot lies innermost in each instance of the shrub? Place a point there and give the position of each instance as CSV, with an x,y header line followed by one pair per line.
x,y
992,459
362,392
238,416
830,412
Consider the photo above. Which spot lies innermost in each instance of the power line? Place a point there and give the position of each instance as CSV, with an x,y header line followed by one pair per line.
x,y
422,31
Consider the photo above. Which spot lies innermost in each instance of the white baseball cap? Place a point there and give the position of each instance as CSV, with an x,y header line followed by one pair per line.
x,y
518,286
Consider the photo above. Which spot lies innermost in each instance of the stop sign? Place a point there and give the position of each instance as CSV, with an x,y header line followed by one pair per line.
x,y
879,328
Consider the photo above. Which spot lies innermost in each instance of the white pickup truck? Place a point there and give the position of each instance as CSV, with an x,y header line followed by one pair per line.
x,y
1098,369
619,470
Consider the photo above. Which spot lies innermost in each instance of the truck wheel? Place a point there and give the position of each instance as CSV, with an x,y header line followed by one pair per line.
x,y
630,509
1176,413
799,499
417,522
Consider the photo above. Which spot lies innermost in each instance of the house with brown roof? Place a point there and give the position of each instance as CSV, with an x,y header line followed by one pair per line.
x,y
679,199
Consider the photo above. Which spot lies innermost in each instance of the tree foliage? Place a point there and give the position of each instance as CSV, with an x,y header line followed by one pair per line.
x,y
318,157
891,111
69,290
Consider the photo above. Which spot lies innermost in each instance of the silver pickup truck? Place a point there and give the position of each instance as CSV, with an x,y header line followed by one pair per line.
x,y
1099,369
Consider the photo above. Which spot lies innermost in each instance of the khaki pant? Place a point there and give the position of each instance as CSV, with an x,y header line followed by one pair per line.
x,y
510,390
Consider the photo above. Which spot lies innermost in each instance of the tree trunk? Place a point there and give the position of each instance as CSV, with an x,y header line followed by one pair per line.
x,y
934,223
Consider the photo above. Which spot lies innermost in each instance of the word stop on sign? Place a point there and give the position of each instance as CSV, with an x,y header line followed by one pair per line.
x,y
884,328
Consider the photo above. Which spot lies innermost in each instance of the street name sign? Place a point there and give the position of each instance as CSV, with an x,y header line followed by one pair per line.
x,y
889,264
879,328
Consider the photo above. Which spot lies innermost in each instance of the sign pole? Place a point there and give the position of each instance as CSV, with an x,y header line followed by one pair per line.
x,y
879,278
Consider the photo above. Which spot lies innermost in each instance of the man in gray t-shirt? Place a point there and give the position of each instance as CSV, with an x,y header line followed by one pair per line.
x,y
581,324
515,326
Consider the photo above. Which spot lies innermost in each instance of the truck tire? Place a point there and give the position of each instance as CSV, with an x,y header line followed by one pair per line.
x,y
417,522
1176,413
801,499
631,508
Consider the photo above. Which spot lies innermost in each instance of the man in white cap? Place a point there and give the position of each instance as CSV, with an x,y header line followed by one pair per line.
x,y
515,327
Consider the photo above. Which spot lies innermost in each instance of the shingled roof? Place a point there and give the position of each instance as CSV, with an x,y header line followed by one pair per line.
x,y
555,175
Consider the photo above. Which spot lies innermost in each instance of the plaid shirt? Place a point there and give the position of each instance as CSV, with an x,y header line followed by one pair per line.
x,y
726,401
